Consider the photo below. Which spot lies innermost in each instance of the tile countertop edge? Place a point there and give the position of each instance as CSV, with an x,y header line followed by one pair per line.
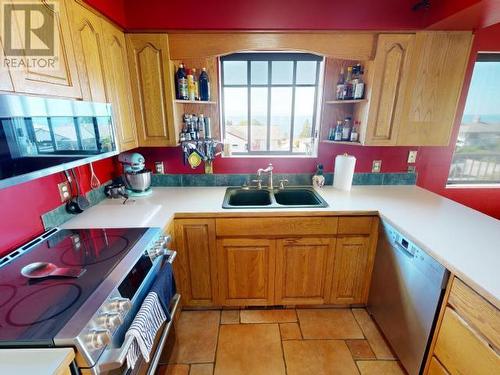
x,y
401,206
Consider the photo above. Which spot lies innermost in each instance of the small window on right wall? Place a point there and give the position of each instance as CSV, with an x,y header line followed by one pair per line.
x,y
476,160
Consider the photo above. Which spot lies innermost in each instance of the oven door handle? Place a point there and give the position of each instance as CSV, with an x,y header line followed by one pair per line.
x,y
116,357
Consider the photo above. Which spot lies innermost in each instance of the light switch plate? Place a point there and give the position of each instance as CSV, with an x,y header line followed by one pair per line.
x,y
64,191
376,166
412,157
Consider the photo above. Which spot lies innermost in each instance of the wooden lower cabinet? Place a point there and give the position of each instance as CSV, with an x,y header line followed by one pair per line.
x,y
461,350
436,368
246,268
352,269
221,263
467,334
195,267
303,270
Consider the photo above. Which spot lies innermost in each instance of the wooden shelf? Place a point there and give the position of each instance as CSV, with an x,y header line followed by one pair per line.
x,y
342,142
352,101
194,102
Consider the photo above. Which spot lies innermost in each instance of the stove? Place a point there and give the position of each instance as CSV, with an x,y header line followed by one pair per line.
x,y
90,312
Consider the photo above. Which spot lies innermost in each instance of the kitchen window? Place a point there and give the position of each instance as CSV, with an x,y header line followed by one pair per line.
x,y
270,103
476,160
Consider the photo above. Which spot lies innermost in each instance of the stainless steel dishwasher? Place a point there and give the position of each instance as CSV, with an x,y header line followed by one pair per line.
x,y
406,292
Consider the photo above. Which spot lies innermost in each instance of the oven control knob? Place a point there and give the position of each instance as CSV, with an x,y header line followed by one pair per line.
x,y
119,305
110,320
166,240
98,338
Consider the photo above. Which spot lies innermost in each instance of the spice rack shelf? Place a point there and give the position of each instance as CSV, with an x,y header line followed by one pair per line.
x,y
351,101
342,142
180,101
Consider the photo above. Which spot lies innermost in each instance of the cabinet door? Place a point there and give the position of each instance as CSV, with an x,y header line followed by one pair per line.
x,y
245,268
462,350
5,77
435,78
88,38
62,79
152,88
118,84
196,266
352,269
390,71
304,270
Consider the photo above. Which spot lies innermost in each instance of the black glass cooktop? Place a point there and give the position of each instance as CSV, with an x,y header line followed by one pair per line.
x,y
33,311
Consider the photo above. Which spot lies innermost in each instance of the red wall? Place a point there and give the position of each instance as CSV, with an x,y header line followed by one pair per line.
x,y
22,205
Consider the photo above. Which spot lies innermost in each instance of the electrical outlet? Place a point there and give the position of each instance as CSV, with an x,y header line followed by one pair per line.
x,y
412,169
64,191
376,166
412,157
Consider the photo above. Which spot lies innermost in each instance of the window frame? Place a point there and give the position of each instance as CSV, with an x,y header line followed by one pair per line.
x,y
486,184
294,57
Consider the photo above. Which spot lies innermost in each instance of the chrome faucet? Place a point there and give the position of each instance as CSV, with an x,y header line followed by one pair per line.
x,y
269,171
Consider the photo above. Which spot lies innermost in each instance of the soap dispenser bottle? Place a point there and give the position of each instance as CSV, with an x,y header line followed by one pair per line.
x,y
318,179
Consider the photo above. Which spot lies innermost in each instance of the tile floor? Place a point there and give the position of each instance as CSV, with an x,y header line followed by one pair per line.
x,y
278,342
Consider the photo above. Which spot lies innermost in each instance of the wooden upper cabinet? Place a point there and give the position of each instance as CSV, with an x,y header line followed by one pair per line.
x,y
304,270
5,76
245,269
118,84
195,267
62,80
148,56
389,77
435,78
88,38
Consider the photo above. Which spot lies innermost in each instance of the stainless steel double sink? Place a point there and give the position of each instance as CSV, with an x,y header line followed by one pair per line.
x,y
290,197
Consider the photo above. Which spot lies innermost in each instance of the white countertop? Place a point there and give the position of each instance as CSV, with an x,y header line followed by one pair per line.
x,y
465,241
54,361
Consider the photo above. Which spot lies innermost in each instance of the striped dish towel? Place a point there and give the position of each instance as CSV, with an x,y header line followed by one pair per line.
x,y
144,328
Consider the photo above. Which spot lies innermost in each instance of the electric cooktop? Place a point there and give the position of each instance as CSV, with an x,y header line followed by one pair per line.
x,y
32,311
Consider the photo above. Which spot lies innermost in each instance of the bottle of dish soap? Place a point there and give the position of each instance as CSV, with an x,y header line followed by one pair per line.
x,y
318,179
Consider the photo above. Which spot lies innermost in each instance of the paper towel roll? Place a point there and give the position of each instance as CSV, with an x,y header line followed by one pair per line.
x,y
344,172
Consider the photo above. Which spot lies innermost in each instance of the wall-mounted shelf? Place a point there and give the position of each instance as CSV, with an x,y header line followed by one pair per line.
x,y
193,101
352,101
342,142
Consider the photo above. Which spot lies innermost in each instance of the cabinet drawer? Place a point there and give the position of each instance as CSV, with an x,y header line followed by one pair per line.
x,y
461,350
276,226
476,311
356,225
436,368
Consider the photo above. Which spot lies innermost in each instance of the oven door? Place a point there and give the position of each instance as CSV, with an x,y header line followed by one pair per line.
x,y
114,358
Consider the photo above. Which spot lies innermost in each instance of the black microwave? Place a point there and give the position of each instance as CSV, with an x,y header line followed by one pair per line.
x,y
41,136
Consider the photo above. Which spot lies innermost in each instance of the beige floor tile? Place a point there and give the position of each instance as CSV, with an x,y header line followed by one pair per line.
x,y
268,316
360,349
379,368
328,324
290,331
173,370
247,349
318,357
196,337
230,317
202,369
373,335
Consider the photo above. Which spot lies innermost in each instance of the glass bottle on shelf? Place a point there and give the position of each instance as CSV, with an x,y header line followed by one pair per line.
x,y
346,129
338,131
339,93
204,85
196,86
359,85
181,83
354,132
190,83
348,85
